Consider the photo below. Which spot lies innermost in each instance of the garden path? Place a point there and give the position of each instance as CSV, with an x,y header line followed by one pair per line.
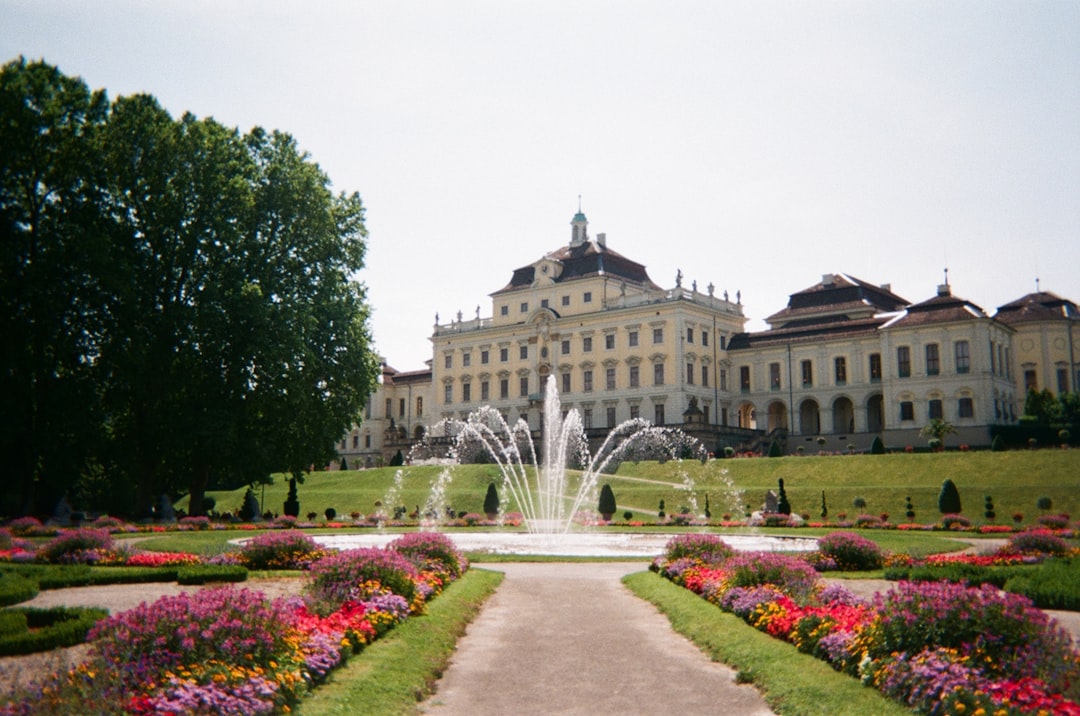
x,y
569,638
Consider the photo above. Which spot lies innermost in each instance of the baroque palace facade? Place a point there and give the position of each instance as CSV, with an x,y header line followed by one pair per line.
x,y
845,361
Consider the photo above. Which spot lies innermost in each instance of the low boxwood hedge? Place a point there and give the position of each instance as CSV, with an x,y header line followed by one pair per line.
x,y
1055,585
27,630
205,573
15,588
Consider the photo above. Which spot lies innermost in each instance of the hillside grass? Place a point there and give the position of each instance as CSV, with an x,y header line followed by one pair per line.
x,y
1014,479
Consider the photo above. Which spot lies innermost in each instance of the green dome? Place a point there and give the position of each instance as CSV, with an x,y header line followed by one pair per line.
x,y
579,217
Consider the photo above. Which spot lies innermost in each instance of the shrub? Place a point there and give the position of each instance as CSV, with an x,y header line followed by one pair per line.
x,y
775,450
194,523
706,547
491,500
26,526
1002,633
15,588
791,575
210,573
1054,584
606,505
423,547
997,444
333,578
1043,503
330,514
1053,522
949,498
280,550
859,503
851,552
877,447
84,545
47,629
1036,541
955,522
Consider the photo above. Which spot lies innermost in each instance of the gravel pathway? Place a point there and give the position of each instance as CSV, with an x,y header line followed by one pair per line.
x,y
571,639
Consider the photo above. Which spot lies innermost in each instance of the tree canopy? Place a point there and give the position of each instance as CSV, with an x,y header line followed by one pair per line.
x,y
179,302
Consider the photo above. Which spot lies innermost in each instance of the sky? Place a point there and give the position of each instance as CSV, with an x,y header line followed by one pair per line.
x,y
751,145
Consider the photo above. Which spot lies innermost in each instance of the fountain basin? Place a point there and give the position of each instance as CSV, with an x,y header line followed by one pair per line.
x,y
629,545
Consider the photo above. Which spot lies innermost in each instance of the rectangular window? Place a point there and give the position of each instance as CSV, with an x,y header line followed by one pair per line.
x,y
609,342
658,412
963,357
504,354
566,300
903,362
690,373
543,303
774,376
704,338
633,339
840,364
523,352
658,335
466,392
723,379
448,361
388,411
705,375
566,382
744,378
485,390
586,344
565,345
524,307
993,361
936,410
504,310
504,388
587,298
807,373
723,345
966,408
635,376
1062,381
933,359
586,380
611,416
356,441
609,377
635,412
689,335
523,386
448,393
420,407
401,407
484,356
586,418
907,410
1031,381
367,441
658,374
466,359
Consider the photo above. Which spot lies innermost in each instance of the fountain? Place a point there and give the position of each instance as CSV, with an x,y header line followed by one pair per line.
x,y
543,489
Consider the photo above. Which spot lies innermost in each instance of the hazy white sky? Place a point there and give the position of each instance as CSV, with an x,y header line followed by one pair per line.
x,y
754,145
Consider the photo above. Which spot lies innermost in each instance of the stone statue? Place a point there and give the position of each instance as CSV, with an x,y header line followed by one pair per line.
x,y
771,503
678,278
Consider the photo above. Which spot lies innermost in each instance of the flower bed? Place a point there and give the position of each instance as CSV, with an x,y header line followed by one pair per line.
x,y
234,651
939,648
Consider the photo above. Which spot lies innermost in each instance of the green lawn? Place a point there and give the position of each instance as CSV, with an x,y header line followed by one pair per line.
x,y
1015,480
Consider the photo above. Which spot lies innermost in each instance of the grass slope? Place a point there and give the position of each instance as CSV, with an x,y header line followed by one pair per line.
x,y
793,684
1015,480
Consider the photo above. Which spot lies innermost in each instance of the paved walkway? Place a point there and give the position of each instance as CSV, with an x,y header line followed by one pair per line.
x,y
571,639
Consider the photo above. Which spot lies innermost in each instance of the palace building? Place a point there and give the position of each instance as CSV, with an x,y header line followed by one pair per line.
x,y
845,361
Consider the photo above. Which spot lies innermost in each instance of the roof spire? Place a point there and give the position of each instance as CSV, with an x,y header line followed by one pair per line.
x,y
946,275
1037,289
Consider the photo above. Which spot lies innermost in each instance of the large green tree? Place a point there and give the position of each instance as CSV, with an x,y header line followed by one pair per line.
x,y
224,334
52,258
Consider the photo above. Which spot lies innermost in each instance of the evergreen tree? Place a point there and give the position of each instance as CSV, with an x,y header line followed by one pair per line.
x,y
782,504
606,506
949,498
491,500
877,447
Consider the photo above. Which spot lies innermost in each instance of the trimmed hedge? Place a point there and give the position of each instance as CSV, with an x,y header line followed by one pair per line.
x,y
206,573
1054,585
15,588
46,629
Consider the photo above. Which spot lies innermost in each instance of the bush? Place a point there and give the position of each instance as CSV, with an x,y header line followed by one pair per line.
x,y
333,578
46,629
955,522
1053,522
84,545
791,575
1036,541
1054,584
949,498
491,500
606,504
1003,634
877,447
15,588
851,552
280,550
707,547
210,573
423,547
